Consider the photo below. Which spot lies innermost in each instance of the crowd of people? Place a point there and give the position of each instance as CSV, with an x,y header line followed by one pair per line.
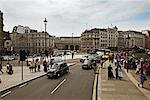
x,y
45,62
35,65
141,66
118,70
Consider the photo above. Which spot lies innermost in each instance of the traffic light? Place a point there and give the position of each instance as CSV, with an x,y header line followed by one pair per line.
x,y
22,55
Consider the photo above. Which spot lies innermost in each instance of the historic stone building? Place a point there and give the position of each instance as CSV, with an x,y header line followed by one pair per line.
x,y
129,39
1,31
32,41
147,38
67,43
36,42
99,38
121,39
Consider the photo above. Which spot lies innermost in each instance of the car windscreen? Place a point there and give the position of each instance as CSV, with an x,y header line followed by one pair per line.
x,y
55,66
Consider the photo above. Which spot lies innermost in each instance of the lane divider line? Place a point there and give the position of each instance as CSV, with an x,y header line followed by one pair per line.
x,y
5,94
58,85
22,85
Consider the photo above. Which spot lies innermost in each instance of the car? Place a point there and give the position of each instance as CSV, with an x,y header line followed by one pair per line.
x,y
87,64
83,58
57,70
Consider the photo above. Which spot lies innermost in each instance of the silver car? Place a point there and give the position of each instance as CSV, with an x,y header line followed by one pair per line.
x,y
87,64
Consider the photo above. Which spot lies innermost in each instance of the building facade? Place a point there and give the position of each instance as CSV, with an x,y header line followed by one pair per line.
x,y
1,31
129,39
147,38
38,43
32,41
67,43
99,38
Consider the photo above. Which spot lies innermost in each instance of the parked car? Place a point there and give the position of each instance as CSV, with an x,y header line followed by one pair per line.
x,y
57,70
87,64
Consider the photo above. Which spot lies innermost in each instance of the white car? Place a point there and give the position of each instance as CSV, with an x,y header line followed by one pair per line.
x,y
83,58
87,64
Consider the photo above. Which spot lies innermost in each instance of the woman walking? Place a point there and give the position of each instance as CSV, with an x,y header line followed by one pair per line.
x,y
141,79
110,73
120,73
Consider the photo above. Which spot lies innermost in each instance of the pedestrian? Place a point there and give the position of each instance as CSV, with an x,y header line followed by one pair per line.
x,y
120,73
51,62
141,79
116,71
35,65
38,64
1,67
31,66
115,61
138,68
95,66
72,54
110,73
45,66
102,62
9,69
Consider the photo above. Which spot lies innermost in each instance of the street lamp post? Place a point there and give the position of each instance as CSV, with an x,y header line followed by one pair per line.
x,y
127,52
45,23
72,43
72,47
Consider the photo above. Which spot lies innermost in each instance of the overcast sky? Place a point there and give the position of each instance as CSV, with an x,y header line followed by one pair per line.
x,y
74,16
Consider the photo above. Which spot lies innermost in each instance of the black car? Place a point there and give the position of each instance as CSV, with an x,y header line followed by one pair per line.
x,y
57,70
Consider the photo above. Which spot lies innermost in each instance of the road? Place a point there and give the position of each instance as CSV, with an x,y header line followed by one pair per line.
x,y
76,85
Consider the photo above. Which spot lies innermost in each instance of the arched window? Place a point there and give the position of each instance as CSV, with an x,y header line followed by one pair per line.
x,y
76,47
71,47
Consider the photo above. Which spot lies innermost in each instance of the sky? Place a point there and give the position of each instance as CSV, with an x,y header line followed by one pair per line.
x,y
75,16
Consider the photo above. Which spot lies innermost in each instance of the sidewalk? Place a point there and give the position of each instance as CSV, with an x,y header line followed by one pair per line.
x,y
9,81
118,89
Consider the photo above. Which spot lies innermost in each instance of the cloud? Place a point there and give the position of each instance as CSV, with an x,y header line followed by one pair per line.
x,y
74,16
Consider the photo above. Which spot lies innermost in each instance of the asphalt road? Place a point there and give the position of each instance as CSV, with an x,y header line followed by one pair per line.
x,y
76,85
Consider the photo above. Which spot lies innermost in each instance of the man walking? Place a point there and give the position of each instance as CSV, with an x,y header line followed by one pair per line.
x,y
1,68
72,54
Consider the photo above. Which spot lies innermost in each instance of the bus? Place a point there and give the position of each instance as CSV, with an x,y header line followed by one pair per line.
x,y
104,53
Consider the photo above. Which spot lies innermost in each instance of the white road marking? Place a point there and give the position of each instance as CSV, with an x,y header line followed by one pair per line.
x,y
5,94
22,85
58,86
